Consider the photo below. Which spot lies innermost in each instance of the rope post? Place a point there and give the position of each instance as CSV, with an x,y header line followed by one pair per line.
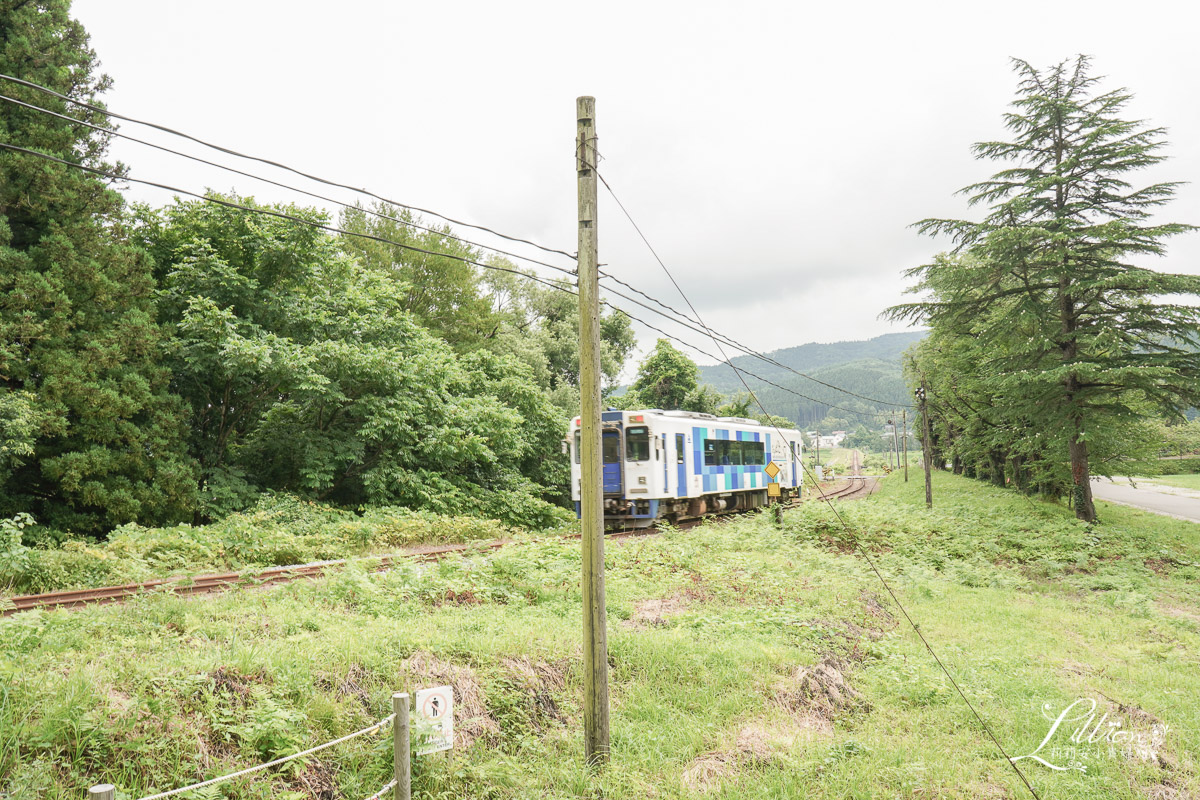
x,y
102,791
401,755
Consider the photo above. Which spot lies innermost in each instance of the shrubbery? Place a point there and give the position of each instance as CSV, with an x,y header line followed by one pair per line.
x,y
279,530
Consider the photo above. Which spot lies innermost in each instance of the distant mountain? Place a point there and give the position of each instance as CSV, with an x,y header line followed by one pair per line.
x,y
870,367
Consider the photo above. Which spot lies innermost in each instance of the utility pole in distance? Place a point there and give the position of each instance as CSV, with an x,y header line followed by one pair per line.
x,y
591,490
925,453
905,418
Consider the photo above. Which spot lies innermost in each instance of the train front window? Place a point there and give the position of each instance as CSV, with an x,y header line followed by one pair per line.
x,y
611,448
637,444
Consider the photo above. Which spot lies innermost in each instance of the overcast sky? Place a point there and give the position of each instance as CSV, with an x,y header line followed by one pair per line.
x,y
774,153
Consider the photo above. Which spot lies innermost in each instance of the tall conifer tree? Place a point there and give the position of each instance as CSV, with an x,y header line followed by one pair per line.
x,y
79,342
1053,259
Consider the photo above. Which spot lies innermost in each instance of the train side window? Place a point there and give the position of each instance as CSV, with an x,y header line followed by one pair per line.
x,y
578,437
710,452
735,453
753,453
679,448
637,444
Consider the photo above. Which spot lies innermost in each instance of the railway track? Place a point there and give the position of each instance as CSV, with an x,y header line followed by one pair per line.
x,y
208,584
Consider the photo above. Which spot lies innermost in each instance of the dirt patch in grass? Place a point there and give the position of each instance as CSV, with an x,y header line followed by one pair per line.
x,y
811,697
466,597
655,612
317,782
877,609
349,686
1179,612
233,683
757,744
1158,566
538,682
820,690
471,718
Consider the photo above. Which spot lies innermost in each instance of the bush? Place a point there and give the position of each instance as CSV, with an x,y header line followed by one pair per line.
x,y
277,531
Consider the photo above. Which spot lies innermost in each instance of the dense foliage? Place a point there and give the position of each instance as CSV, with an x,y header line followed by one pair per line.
x,y
90,436
176,364
1048,344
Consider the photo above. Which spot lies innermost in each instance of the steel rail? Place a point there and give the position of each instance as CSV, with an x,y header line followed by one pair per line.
x,y
218,582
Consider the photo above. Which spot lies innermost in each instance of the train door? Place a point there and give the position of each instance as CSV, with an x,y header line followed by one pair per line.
x,y
611,448
681,465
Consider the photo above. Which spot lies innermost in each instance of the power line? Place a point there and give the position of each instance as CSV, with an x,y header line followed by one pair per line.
x,y
114,132
272,213
100,110
696,319
867,414
733,343
857,544
384,240
368,193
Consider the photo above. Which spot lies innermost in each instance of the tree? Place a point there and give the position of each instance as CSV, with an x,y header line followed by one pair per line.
x,y
442,291
307,374
666,378
83,393
1053,259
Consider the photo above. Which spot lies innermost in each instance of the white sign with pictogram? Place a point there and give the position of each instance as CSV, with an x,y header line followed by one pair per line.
x,y
435,719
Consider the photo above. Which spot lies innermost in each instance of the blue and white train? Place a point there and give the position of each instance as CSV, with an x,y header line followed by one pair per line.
x,y
677,465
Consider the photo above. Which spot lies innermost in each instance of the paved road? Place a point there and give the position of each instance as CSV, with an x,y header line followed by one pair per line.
x,y
1147,497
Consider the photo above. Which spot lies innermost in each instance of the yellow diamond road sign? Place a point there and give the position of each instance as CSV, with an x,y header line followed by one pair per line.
x,y
771,470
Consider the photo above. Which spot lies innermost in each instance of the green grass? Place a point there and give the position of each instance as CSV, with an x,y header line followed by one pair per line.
x,y
1182,481
1023,604
279,530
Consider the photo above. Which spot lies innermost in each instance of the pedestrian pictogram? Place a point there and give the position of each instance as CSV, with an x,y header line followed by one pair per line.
x,y
435,719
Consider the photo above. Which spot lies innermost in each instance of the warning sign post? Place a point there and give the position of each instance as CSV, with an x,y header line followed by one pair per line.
x,y
435,719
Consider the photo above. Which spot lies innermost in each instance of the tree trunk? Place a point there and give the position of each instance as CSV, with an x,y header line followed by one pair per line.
x,y
957,465
996,467
1018,475
1081,478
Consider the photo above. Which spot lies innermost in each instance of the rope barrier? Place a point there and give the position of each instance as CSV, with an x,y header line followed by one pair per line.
x,y
383,791
382,723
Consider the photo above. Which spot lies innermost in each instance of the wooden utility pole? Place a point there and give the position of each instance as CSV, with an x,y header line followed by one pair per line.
x,y
904,416
895,443
591,490
401,754
925,452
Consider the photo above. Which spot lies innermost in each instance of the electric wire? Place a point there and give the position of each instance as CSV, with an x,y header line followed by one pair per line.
x,y
718,359
384,240
111,131
845,526
117,133
229,151
273,213
661,264
746,349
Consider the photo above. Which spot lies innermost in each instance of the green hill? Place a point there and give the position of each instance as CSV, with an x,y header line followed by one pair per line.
x,y
870,367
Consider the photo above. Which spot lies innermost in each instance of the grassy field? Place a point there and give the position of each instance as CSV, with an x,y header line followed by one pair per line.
x,y
747,661
1182,481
